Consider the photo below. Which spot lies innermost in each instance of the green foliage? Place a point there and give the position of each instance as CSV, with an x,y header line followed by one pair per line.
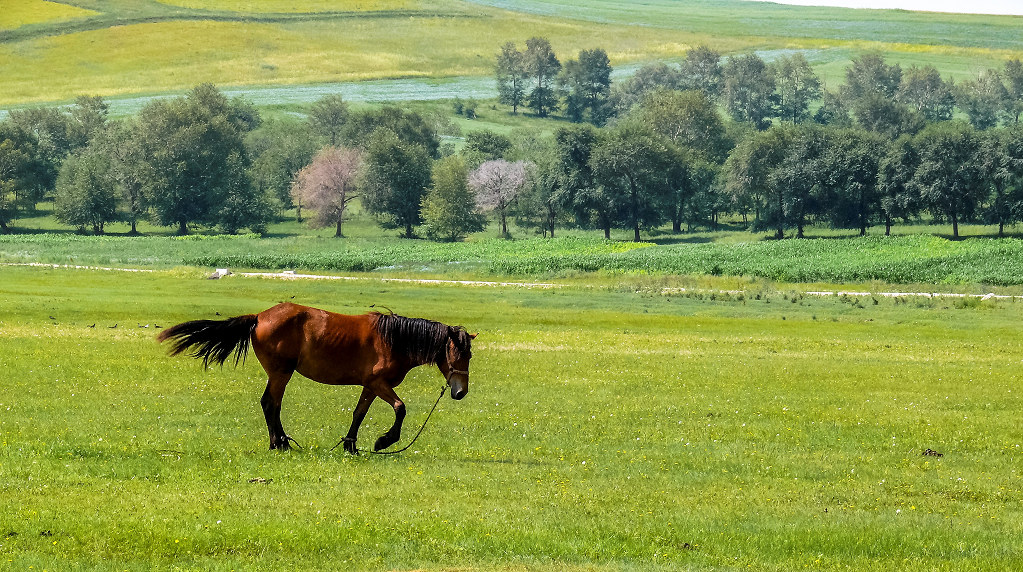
x,y
87,191
397,176
449,207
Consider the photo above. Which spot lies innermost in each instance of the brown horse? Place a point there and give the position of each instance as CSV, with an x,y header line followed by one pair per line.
x,y
373,350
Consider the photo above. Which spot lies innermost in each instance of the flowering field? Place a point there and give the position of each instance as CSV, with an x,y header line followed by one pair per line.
x,y
605,429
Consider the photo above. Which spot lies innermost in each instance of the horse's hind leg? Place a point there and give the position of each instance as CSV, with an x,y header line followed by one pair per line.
x,y
271,402
394,433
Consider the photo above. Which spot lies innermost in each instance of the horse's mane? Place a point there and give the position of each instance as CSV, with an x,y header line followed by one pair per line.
x,y
423,341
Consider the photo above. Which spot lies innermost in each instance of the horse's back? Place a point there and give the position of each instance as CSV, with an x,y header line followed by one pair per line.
x,y
324,346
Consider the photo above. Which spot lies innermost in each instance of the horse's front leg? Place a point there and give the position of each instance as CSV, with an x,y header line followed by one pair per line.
x,y
393,434
365,400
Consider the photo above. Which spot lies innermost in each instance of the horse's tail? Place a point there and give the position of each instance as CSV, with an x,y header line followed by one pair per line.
x,y
212,340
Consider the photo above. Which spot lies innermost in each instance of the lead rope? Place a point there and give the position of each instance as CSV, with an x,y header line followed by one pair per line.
x,y
420,432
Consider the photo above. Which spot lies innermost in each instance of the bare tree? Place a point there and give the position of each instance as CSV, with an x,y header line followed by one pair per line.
x,y
327,185
496,184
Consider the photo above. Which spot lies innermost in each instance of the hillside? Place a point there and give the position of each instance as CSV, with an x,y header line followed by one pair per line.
x,y
54,51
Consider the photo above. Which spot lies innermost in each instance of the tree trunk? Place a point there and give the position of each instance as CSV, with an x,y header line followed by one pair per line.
x,y
955,227
134,230
337,232
408,230
504,224
887,225
182,227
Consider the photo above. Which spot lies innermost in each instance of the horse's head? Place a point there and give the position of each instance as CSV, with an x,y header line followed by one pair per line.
x,y
458,354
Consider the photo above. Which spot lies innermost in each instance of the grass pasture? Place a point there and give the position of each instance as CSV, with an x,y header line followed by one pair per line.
x,y
606,428
121,48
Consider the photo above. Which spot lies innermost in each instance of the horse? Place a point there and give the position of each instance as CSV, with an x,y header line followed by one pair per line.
x,y
373,350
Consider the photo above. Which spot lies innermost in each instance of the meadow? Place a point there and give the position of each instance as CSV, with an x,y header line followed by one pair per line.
x,y
607,427
130,48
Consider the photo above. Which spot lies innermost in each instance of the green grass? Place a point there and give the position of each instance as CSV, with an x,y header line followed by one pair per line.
x,y
606,428
120,48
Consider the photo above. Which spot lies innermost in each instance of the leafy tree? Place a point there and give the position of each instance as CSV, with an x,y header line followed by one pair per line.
x,y
53,138
279,149
648,78
1013,75
925,91
949,176
449,208
701,71
588,81
397,175
543,66
16,172
328,184
197,161
496,184
888,117
797,87
750,177
1002,165
799,186
408,126
628,163
868,75
749,90
832,111
327,117
898,197
86,191
687,118
984,99
485,145
512,74
849,173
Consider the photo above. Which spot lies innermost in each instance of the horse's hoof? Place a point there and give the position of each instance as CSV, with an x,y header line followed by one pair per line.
x,y
350,446
384,442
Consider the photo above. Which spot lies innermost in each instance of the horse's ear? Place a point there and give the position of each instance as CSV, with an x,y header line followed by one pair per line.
x,y
473,336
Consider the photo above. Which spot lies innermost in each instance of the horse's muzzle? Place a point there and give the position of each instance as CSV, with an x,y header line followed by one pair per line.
x,y
459,387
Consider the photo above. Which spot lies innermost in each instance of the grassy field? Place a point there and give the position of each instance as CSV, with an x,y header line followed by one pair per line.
x,y
606,428
120,47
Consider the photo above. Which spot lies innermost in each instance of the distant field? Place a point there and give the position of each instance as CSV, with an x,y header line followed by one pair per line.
x,y
270,6
145,47
17,13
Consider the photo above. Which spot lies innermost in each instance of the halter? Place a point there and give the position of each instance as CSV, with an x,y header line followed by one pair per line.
x,y
453,371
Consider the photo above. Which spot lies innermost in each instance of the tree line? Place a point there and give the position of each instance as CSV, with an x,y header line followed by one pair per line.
x,y
680,144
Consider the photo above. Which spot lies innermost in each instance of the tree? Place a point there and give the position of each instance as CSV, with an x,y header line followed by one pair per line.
x,y
749,177
849,173
832,111
543,66
701,71
925,91
88,119
1002,164
327,118
408,126
449,208
512,74
949,177
869,75
86,191
687,118
799,189
898,197
397,176
648,78
121,146
485,145
588,81
1014,85
749,90
280,148
870,91
797,87
984,99
328,184
496,184
15,170
628,163
198,162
